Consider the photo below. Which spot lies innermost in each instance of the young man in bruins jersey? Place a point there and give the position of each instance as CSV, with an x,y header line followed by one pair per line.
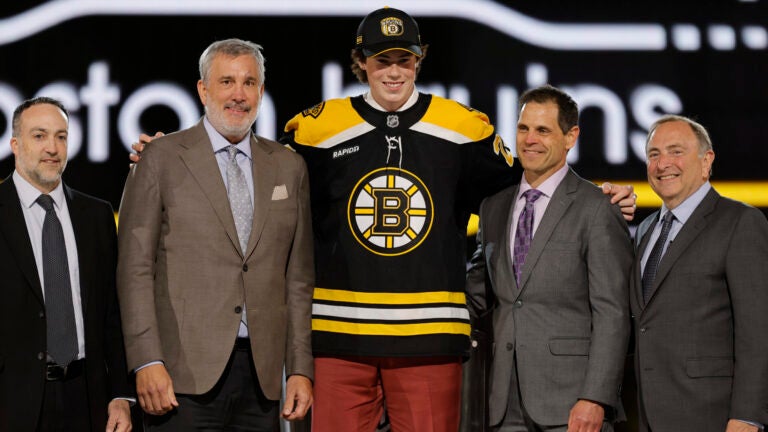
x,y
394,177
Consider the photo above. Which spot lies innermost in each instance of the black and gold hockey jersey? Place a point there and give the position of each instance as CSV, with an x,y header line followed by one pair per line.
x,y
391,196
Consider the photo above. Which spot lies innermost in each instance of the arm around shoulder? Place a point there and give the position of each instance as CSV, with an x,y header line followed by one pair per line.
x,y
300,279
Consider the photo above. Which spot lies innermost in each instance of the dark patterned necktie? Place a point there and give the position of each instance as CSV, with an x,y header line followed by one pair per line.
x,y
652,265
61,331
524,233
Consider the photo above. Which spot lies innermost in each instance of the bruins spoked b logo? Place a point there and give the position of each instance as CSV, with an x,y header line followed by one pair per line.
x,y
390,211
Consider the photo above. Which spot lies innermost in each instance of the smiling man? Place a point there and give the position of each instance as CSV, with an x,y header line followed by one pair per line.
x,y
215,273
699,294
394,175
557,257
62,363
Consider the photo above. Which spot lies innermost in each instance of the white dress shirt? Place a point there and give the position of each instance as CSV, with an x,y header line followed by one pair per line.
x,y
547,189
34,215
243,158
682,213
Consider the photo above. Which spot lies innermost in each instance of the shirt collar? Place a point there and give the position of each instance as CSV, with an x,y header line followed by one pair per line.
x,y
28,193
548,186
220,143
409,103
686,208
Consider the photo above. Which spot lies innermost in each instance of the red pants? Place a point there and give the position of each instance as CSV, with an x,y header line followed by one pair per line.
x,y
423,394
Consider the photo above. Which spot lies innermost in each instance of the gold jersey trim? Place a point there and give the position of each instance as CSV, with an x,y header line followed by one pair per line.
x,y
390,298
454,122
328,124
370,329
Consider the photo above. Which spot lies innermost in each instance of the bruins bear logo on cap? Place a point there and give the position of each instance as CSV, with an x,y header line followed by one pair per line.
x,y
392,26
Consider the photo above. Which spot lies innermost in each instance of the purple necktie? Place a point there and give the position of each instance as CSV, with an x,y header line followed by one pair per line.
x,y
524,232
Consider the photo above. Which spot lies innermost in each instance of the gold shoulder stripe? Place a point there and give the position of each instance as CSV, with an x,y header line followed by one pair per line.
x,y
454,122
334,118
389,297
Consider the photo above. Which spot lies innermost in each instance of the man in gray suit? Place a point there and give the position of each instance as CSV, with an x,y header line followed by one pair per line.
x,y
552,264
699,295
215,273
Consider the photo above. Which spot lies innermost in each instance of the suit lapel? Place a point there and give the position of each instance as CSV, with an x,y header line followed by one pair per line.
x,y
503,264
198,156
558,204
695,224
264,176
13,227
83,242
642,237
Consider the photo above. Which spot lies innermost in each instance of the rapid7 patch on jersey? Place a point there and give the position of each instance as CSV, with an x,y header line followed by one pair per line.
x,y
390,211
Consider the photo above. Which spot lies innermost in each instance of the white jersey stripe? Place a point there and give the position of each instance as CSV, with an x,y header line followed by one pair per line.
x,y
396,314
441,132
346,135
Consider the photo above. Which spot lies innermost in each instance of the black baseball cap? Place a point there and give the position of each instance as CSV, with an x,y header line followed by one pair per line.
x,y
388,29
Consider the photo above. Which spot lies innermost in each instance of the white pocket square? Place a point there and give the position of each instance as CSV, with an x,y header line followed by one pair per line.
x,y
280,193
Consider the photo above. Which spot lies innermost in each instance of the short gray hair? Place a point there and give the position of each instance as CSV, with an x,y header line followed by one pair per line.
x,y
702,136
233,48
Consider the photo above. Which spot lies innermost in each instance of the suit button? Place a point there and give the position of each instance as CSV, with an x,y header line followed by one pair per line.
x,y
245,267
41,356
238,309
41,314
642,330
518,304
510,346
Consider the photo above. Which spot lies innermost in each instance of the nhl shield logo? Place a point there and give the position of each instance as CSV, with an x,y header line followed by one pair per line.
x,y
393,121
391,26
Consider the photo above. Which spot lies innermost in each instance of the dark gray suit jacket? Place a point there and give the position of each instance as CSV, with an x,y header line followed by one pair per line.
x,y
22,312
568,322
701,341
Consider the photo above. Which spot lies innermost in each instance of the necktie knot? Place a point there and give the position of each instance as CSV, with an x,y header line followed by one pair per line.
x,y
531,195
668,219
46,202
232,149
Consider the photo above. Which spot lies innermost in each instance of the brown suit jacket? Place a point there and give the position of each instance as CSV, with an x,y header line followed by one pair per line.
x,y
182,277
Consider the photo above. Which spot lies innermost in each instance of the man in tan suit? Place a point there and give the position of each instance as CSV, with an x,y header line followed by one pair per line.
x,y
215,273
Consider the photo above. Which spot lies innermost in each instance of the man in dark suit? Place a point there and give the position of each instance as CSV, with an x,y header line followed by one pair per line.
x,y
552,262
62,363
216,274
699,294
